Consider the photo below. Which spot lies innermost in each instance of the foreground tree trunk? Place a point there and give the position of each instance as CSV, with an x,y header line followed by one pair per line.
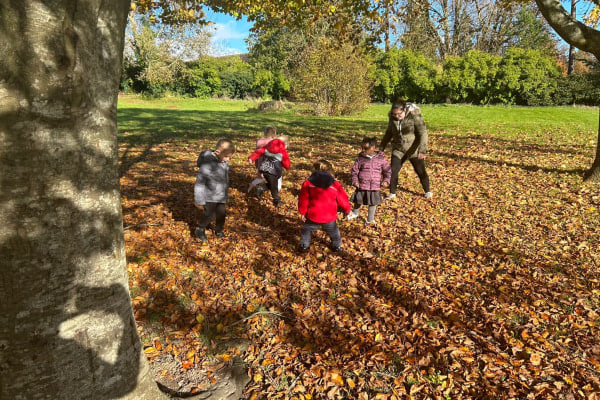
x,y
66,324
593,174
581,36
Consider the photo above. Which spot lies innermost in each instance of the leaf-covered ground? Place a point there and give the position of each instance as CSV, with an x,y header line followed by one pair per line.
x,y
490,290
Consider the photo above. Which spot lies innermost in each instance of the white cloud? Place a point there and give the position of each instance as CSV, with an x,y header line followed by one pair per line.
x,y
225,32
227,39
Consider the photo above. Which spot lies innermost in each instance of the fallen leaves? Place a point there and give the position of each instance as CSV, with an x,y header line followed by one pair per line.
x,y
491,289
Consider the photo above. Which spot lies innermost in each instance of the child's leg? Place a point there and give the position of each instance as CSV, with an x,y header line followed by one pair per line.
x,y
272,185
209,215
219,217
307,229
333,232
371,215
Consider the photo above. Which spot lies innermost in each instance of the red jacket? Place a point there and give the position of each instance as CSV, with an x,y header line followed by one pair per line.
x,y
320,196
275,146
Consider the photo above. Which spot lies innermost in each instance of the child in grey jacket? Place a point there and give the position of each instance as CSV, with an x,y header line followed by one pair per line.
x,y
212,185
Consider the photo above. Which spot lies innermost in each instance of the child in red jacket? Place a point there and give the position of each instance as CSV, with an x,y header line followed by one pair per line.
x,y
274,159
318,202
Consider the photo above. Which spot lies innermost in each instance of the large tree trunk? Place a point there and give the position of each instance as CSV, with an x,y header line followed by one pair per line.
x,y
593,174
66,324
582,37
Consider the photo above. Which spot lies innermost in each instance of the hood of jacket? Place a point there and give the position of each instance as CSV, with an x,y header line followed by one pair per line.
x,y
321,179
377,154
275,146
411,109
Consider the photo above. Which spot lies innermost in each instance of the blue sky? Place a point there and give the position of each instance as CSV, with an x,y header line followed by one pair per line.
x,y
228,33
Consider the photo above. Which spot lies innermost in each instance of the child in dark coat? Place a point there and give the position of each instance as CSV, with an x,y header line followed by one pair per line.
x,y
269,134
370,172
274,158
318,203
212,185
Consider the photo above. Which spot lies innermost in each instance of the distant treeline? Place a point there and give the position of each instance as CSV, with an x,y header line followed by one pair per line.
x,y
519,76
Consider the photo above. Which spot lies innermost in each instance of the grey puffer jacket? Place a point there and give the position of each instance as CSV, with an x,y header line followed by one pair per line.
x,y
409,136
212,180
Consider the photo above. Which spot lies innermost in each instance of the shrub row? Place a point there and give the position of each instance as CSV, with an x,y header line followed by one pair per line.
x,y
520,76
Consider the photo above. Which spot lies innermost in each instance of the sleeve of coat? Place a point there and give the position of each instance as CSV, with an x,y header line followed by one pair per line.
x,y
257,154
355,171
200,186
303,198
342,198
387,172
386,137
421,133
285,160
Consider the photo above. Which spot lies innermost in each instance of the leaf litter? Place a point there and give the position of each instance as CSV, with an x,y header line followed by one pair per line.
x,y
489,290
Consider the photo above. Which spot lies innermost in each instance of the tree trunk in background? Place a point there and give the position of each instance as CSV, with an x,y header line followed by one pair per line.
x,y
571,64
66,323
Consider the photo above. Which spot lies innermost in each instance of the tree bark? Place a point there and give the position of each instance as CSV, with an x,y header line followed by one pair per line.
x,y
593,174
582,37
66,323
571,62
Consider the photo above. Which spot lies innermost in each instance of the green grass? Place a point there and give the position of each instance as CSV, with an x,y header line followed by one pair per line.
x,y
151,121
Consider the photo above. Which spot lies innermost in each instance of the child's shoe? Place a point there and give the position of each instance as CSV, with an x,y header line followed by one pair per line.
x,y
352,214
428,195
220,234
371,223
391,196
337,249
201,234
259,191
303,248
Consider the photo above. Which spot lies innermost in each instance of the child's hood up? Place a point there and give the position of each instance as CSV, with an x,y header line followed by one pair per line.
x,y
321,179
275,146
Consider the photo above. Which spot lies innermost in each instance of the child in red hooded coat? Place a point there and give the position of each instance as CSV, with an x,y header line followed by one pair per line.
x,y
318,203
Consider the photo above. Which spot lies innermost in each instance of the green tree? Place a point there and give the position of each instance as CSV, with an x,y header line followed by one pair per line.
x,y
527,77
470,78
155,55
334,78
406,74
528,31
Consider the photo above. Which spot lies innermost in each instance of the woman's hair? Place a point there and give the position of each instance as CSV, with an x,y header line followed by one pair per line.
x,y
371,141
270,132
399,104
323,165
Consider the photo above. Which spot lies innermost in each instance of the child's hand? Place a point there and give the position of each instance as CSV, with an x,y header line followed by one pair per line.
x,y
250,161
303,218
385,184
356,185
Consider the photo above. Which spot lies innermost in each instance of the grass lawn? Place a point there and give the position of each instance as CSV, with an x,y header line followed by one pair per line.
x,y
489,290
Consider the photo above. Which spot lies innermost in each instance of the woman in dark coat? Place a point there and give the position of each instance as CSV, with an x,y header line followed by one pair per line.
x,y
408,134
